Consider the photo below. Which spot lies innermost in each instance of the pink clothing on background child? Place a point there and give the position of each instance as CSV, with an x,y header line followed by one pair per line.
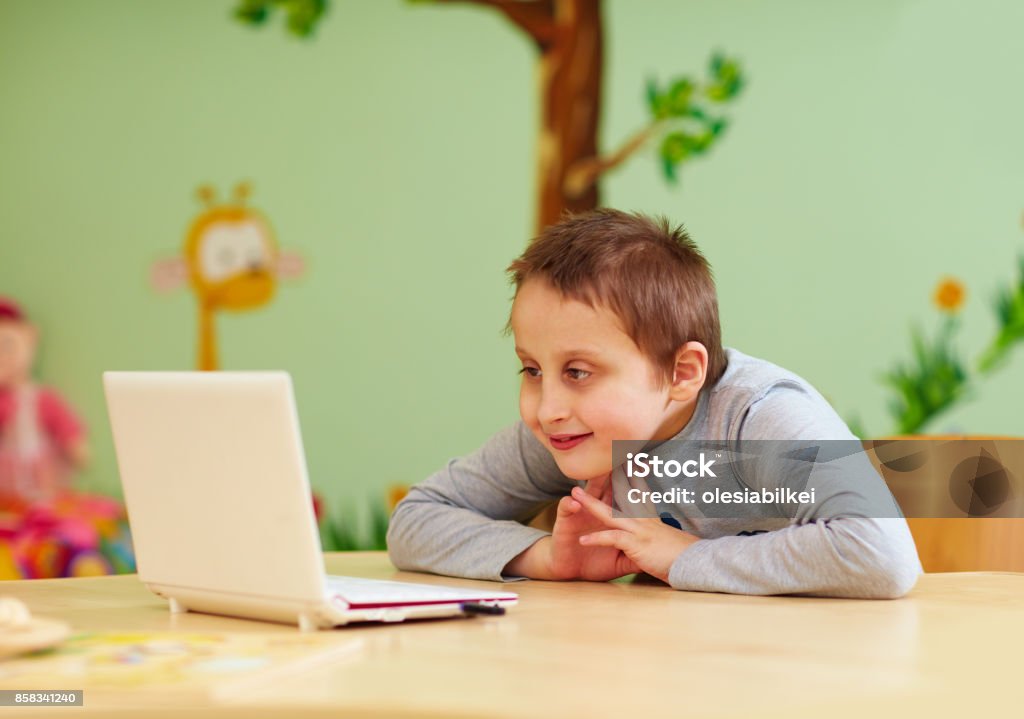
x,y
37,431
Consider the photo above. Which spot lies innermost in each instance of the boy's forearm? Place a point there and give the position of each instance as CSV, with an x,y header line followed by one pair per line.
x,y
462,520
431,537
533,562
856,558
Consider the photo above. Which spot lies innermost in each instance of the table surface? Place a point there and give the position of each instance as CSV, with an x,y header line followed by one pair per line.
x,y
952,646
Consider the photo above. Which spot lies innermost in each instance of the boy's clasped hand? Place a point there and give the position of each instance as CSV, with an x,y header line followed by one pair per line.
x,y
588,542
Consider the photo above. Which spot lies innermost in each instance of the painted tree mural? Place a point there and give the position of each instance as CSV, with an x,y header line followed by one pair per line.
x,y
568,35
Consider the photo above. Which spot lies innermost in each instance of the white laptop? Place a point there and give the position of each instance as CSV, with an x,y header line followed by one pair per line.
x,y
220,508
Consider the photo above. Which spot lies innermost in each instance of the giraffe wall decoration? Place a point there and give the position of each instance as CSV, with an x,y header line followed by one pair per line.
x,y
232,262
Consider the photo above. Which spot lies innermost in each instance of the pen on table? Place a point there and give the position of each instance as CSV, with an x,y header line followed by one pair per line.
x,y
477,608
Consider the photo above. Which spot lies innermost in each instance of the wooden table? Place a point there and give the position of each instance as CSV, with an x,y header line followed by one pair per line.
x,y
953,647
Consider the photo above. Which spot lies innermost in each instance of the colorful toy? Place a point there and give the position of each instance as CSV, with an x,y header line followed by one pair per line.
x,y
46,528
73,535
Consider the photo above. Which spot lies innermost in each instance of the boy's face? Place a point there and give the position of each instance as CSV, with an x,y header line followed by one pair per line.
x,y
585,382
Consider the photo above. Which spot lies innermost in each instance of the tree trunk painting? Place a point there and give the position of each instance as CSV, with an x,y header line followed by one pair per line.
x,y
570,90
569,37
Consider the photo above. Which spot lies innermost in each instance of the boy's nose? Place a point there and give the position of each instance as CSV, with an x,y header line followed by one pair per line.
x,y
553,407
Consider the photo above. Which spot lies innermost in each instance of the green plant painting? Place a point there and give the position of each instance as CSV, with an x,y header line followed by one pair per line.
x,y
936,377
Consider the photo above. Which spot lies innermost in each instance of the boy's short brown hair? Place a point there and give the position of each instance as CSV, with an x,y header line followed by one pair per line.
x,y
645,271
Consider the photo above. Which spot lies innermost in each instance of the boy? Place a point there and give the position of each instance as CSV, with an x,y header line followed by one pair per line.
x,y
615,320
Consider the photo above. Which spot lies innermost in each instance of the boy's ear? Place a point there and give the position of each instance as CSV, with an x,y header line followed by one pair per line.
x,y
690,371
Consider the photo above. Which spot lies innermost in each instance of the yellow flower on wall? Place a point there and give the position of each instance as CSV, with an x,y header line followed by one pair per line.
x,y
396,493
949,295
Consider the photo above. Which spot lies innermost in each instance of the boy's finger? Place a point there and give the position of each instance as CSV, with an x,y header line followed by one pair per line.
x,y
567,506
599,509
608,538
625,565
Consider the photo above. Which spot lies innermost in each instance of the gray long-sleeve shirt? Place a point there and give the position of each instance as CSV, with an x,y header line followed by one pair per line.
x,y
465,519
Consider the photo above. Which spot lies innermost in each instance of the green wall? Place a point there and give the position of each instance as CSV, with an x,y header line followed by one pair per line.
x,y
877,147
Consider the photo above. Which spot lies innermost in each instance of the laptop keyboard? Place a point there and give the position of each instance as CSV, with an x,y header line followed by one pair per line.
x,y
357,590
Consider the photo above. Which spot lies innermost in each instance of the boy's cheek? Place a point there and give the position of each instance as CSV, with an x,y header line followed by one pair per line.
x,y
529,419
539,436
528,413
527,404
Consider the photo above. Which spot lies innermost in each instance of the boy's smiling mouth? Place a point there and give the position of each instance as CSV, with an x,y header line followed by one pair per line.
x,y
567,441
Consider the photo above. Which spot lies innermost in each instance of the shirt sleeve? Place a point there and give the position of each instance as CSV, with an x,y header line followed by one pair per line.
x,y
464,520
865,553
59,422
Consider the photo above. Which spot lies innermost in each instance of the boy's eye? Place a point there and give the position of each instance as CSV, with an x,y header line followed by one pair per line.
x,y
577,374
530,371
